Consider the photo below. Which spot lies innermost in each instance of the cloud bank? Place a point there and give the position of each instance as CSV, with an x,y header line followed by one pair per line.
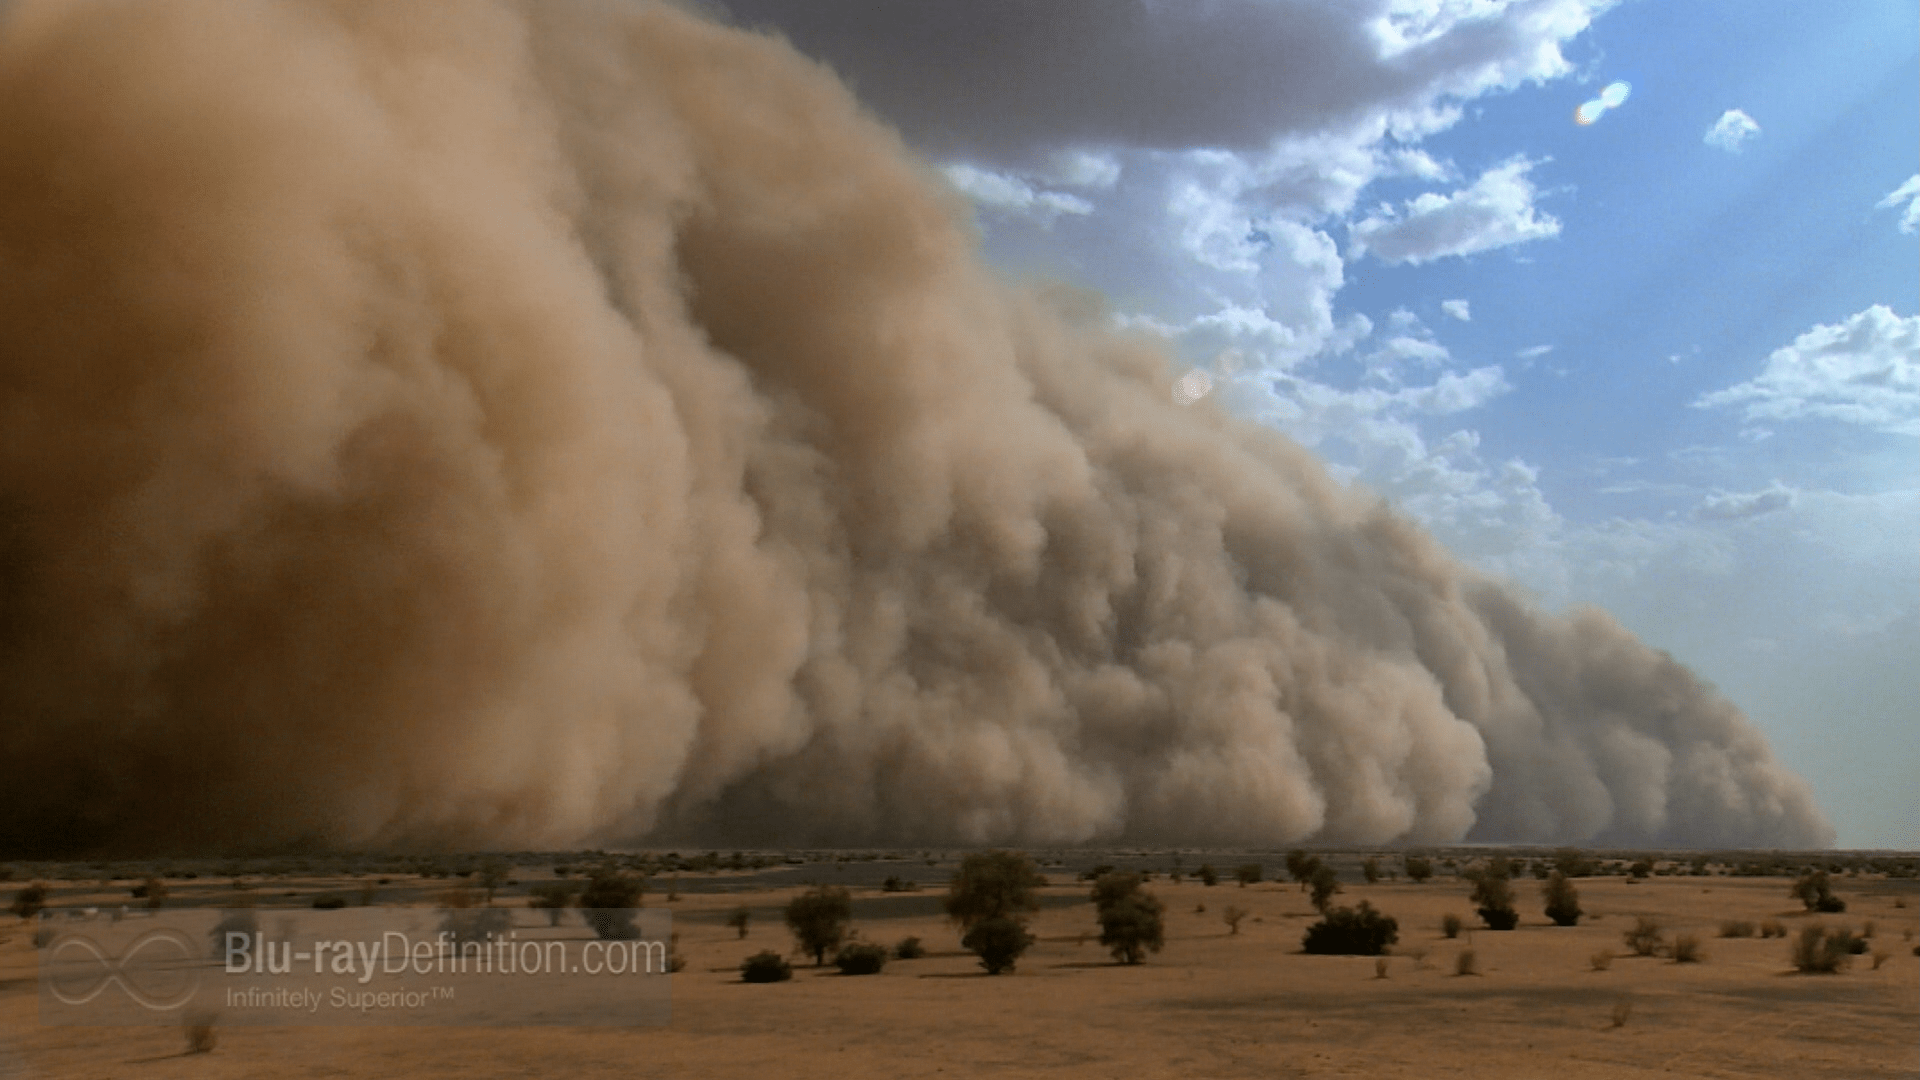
x,y
547,424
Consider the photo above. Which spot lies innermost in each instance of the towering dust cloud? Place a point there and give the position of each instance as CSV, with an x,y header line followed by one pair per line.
x,y
544,424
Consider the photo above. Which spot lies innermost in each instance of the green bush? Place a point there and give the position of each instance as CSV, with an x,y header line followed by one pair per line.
x,y
998,941
818,919
861,958
1352,931
765,967
1563,900
1132,921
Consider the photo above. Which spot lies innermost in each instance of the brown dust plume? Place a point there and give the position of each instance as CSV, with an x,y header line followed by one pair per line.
x,y
543,424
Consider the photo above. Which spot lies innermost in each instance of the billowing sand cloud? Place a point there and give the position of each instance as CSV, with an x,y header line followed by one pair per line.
x,y
536,425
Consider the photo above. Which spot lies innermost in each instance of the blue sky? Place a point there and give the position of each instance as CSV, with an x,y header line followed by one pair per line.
x,y
1625,363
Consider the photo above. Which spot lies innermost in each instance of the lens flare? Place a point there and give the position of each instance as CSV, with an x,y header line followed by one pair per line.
x,y
1612,97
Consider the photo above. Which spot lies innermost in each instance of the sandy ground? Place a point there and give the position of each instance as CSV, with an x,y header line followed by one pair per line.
x,y
1212,1004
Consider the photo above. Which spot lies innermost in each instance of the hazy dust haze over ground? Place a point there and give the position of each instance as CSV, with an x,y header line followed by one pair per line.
x,y
522,425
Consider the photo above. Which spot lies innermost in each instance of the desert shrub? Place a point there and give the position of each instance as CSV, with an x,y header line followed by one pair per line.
x,y
740,919
998,942
29,901
1646,938
553,897
1686,949
1819,950
492,874
898,884
909,949
1418,868
1640,869
1380,967
329,903
1493,893
1466,963
818,919
1815,890
765,967
861,958
1131,919
1323,885
608,902
234,921
198,1027
1300,866
1208,875
1601,960
1097,872
1232,917
1370,870
1574,863
1450,925
1773,928
1352,931
1563,900
1249,874
1736,928
1622,1010
993,885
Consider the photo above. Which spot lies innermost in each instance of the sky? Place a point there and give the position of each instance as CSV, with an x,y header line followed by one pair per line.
x,y
1665,361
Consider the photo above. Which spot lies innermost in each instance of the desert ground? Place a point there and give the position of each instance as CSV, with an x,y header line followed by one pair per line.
x,y
1212,1003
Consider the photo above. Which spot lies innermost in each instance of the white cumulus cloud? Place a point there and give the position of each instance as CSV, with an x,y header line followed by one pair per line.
x,y
1006,192
1865,370
1495,211
1732,131
1457,309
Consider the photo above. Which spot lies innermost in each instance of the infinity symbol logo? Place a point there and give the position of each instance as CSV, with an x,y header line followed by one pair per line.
x,y
152,971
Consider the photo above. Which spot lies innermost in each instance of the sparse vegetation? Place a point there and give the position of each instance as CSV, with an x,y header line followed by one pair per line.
x,y
1249,874
1418,868
1819,950
1815,890
553,897
1646,938
1466,963
1232,917
740,919
909,949
1131,919
1323,885
1370,870
609,900
1640,869
1622,1010
1208,875
765,967
198,1027
1352,931
1735,928
999,942
1450,925
1686,949
861,958
1601,960
1563,900
1773,928
818,919
29,901
1493,893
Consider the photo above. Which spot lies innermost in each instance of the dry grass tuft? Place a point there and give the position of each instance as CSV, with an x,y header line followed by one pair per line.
x,y
1380,967
1737,928
200,1032
1686,949
1466,963
1601,960
1622,1010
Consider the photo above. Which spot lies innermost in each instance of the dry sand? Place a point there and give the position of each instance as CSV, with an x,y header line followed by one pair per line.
x,y
1211,1004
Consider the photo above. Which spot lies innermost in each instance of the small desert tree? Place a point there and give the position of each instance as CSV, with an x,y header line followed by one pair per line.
x,y
609,900
1563,900
1232,917
818,919
1815,890
1419,868
1370,870
1131,919
1249,874
1208,876
990,897
1300,867
1493,894
553,897
1324,883
492,874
